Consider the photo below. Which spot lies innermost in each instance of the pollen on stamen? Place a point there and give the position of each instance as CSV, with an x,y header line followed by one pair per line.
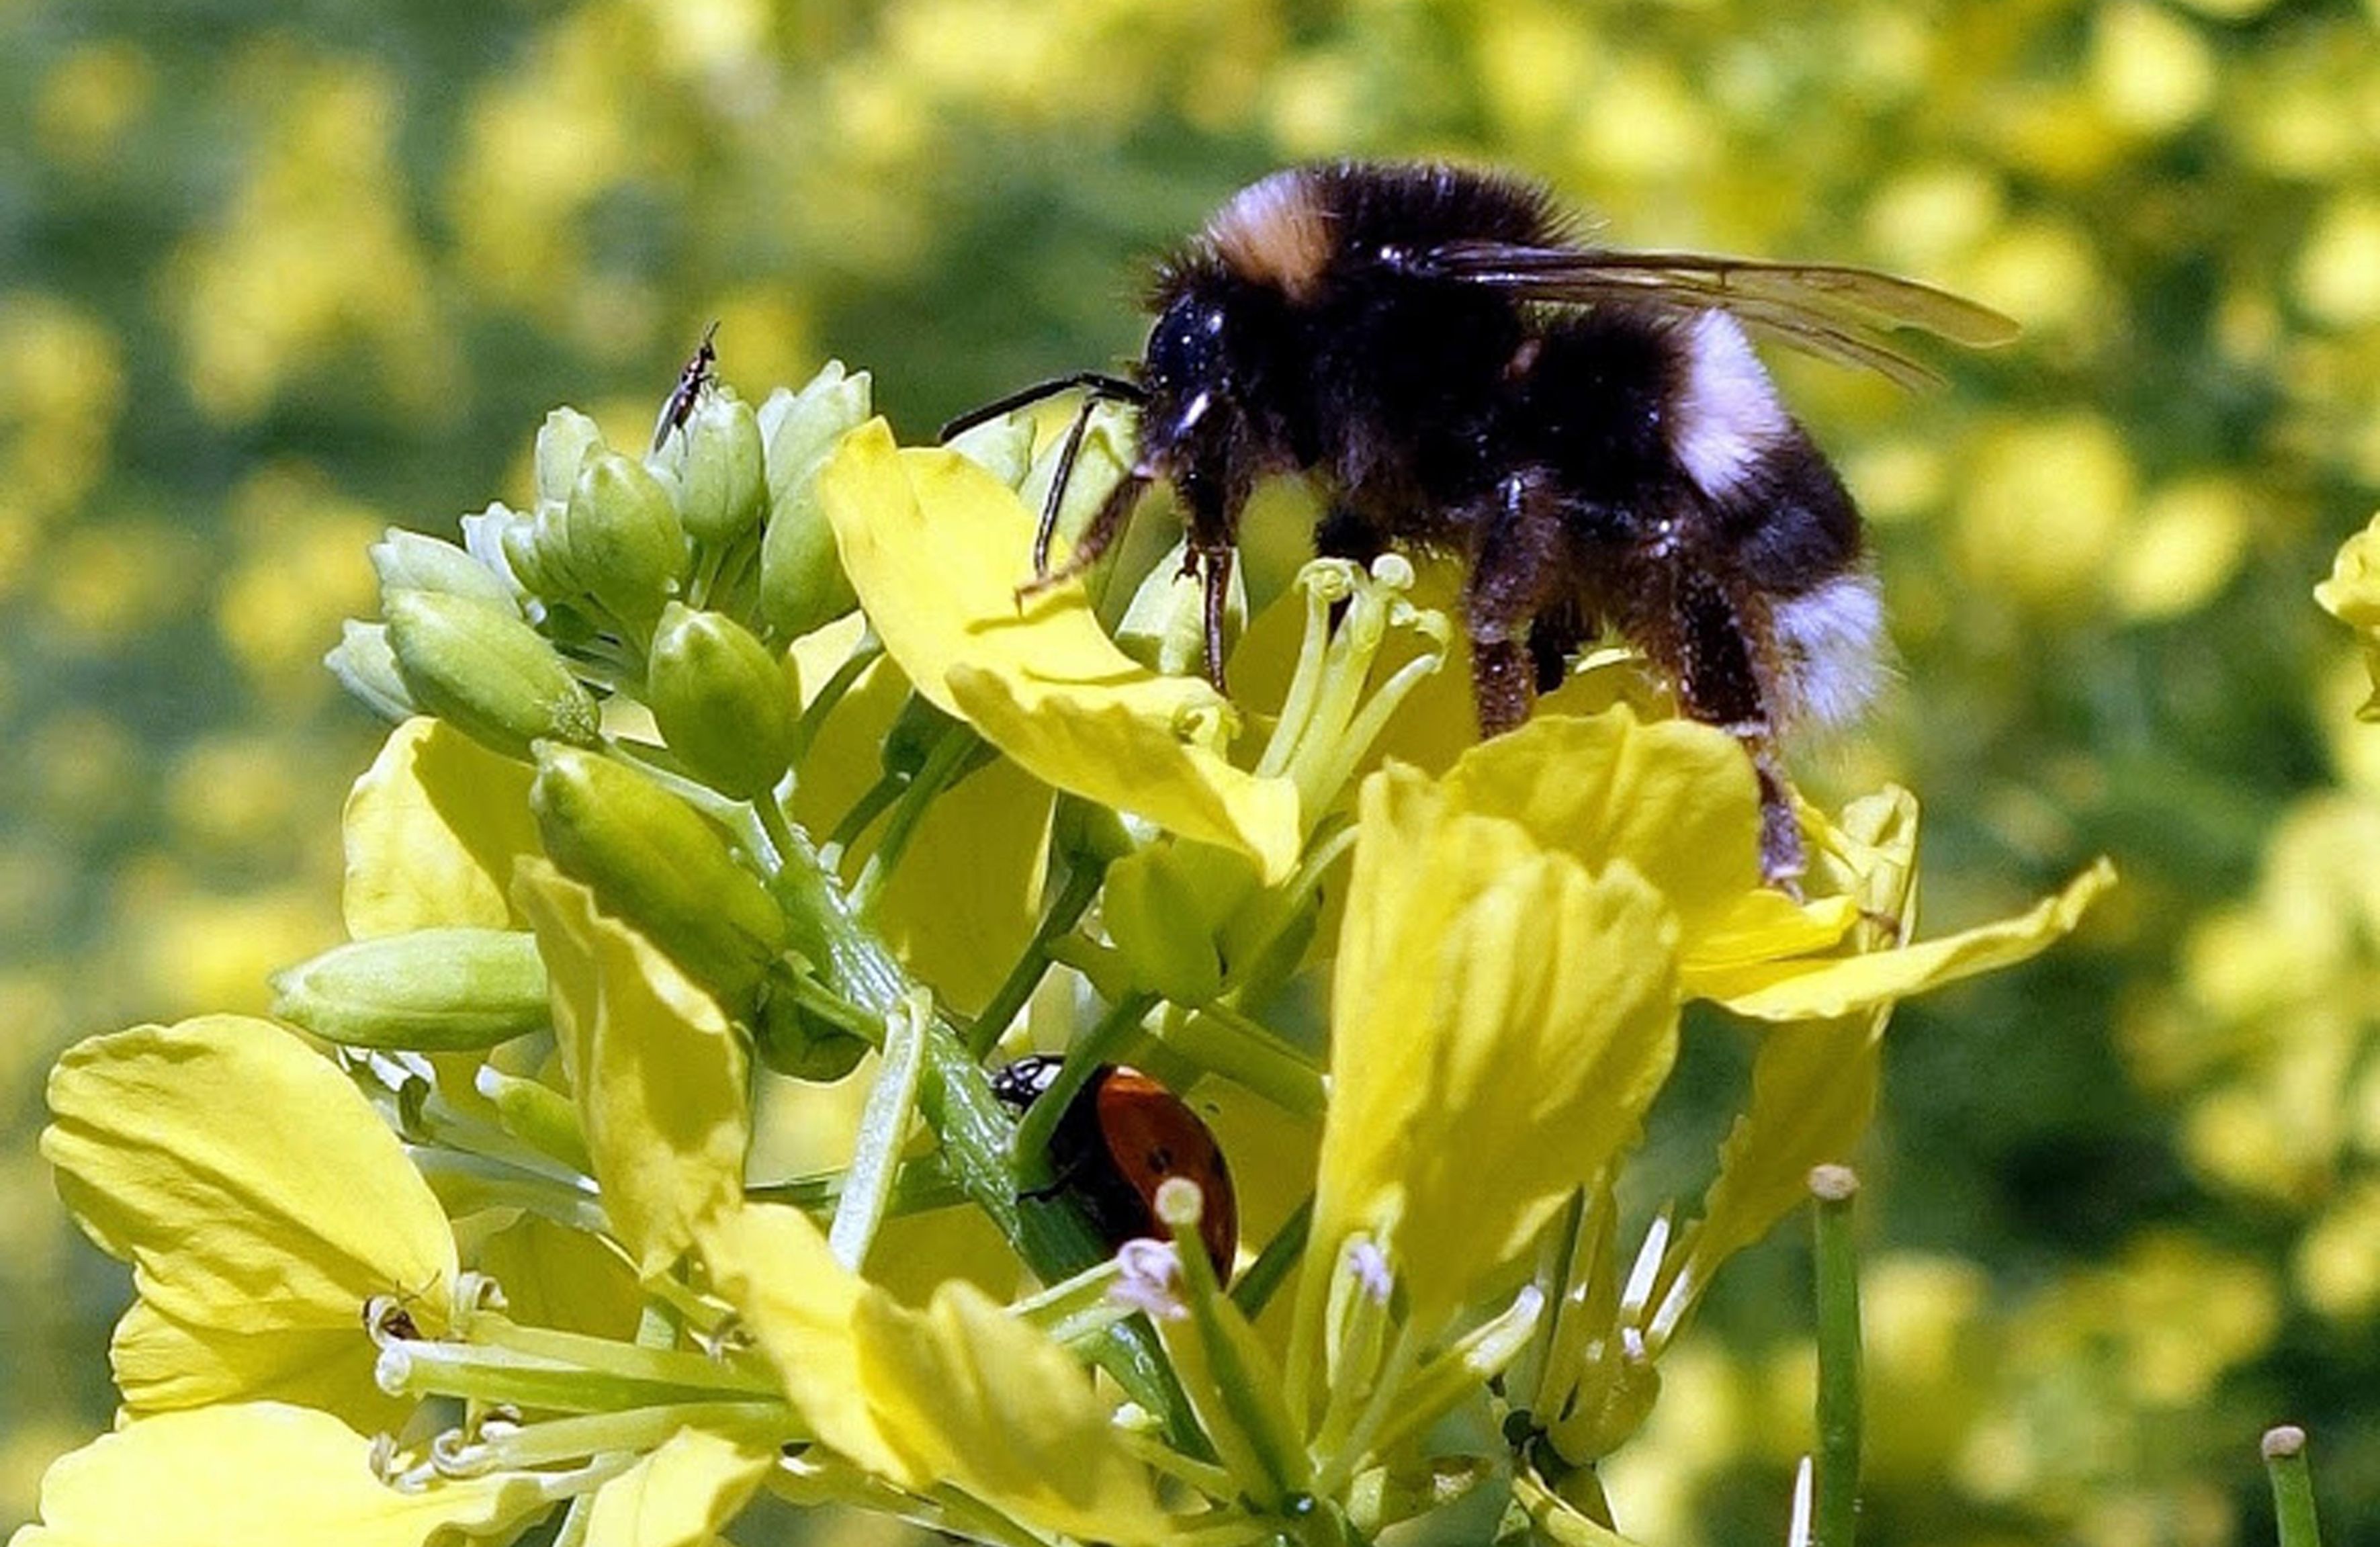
x,y
1149,1279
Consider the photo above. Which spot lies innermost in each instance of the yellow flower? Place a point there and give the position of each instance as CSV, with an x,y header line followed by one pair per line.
x,y
936,548
1813,1089
261,1202
2352,596
259,1472
959,1397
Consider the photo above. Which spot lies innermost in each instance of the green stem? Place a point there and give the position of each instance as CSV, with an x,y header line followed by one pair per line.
x,y
1271,1268
778,828
1835,1516
1074,899
863,655
950,750
1031,1146
955,1097
872,803
922,1183
832,1007
2284,1462
1222,1040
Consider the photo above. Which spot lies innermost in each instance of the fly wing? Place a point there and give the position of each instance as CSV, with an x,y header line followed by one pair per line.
x,y
1829,310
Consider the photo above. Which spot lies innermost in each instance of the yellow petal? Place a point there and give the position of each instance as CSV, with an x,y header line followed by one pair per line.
x,y
432,830
684,1493
658,1072
1558,1520
1823,987
1674,798
261,1202
1501,1018
554,1276
1814,1089
772,1265
937,548
254,1475
978,1398
161,1365
1765,923
1814,1083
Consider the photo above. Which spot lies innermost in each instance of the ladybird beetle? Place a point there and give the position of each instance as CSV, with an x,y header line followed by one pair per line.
x,y
1122,1137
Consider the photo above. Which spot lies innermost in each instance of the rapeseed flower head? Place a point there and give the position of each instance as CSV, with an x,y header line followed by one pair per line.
x,y
751,763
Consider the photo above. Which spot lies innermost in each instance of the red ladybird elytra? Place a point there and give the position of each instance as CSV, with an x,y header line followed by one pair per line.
x,y
1122,1137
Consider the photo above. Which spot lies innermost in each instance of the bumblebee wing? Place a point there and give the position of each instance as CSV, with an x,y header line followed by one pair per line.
x,y
1829,310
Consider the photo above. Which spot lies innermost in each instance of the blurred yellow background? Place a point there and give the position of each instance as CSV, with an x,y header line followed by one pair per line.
x,y
276,276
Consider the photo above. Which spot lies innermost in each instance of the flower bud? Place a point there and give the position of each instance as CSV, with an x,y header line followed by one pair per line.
x,y
483,539
526,560
487,673
409,561
656,864
723,487
722,700
539,1116
562,442
802,1045
1003,447
625,545
1157,920
366,667
913,734
433,990
1085,833
1164,626
802,582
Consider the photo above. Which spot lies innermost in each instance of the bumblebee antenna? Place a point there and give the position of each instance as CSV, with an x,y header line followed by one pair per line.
x,y
1098,383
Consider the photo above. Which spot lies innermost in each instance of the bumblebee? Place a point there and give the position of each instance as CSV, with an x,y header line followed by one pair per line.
x,y
1587,430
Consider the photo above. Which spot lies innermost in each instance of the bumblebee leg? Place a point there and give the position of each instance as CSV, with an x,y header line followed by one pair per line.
x,y
1215,577
1719,685
1553,637
1104,525
1782,859
1060,477
1515,554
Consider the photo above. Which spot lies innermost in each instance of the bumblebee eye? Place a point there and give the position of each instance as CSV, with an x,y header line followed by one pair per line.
x,y
1186,348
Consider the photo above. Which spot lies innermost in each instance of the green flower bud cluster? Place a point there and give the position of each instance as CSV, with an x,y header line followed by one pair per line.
x,y
675,580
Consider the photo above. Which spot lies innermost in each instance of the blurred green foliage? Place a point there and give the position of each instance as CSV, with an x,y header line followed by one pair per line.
x,y
272,277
